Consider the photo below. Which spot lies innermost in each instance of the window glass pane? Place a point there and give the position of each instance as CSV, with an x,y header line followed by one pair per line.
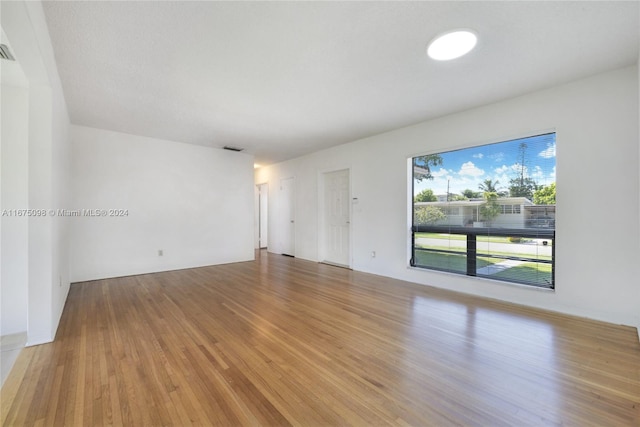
x,y
488,210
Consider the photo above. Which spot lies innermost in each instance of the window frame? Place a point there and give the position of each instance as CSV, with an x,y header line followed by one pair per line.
x,y
472,233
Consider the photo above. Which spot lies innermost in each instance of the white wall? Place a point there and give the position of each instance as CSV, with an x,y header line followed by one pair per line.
x,y
194,203
596,120
46,167
14,195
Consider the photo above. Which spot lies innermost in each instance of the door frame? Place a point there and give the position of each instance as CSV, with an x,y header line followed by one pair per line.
x,y
283,217
322,252
261,215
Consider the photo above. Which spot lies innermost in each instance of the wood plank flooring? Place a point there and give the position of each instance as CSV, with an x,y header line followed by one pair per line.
x,y
281,341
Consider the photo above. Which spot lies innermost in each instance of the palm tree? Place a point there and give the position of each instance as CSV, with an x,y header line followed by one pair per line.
x,y
488,186
470,194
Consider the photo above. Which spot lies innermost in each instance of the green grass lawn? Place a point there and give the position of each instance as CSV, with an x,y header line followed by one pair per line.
x,y
448,261
463,250
493,239
533,273
537,274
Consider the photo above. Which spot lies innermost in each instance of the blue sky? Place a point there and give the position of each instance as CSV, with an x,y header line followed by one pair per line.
x,y
469,167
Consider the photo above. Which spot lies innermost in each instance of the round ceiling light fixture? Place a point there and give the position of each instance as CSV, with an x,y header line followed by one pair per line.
x,y
452,45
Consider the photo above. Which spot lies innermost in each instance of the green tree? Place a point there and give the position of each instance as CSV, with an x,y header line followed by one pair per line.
x,y
456,197
490,209
425,195
522,187
470,194
545,195
422,166
423,215
488,186
523,162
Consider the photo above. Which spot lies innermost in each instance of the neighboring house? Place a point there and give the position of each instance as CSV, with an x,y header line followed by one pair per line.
x,y
540,216
515,212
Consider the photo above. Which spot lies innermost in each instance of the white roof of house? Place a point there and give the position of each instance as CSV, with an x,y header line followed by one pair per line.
x,y
477,202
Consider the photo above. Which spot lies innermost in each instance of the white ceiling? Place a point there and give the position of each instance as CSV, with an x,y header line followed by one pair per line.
x,y
282,79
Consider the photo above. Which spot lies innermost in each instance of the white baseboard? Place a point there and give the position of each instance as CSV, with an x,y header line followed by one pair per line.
x,y
38,340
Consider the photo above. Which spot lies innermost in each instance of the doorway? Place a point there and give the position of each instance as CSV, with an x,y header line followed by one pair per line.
x,y
287,235
263,197
336,214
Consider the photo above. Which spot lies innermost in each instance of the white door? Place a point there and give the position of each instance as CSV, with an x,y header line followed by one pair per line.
x,y
337,221
263,194
287,218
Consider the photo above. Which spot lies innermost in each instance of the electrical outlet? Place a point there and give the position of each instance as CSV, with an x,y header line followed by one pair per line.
x,y
373,254
160,252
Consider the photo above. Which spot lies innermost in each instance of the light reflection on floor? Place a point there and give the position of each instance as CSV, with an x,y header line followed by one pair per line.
x,y
494,351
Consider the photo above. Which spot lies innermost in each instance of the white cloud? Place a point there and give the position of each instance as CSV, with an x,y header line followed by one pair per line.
x,y
443,179
537,172
549,153
498,157
478,156
515,168
470,176
502,179
455,184
469,169
442,172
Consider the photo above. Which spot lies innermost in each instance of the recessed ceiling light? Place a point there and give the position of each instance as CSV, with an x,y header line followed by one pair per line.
x,y
452,45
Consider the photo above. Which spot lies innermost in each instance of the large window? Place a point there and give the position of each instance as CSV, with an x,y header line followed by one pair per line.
x,y
488,211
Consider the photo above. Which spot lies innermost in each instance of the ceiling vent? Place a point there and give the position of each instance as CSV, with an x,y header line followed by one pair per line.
x,y
226,147
5,53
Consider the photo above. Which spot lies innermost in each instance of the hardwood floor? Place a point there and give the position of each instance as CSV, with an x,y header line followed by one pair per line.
x,y
281,341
